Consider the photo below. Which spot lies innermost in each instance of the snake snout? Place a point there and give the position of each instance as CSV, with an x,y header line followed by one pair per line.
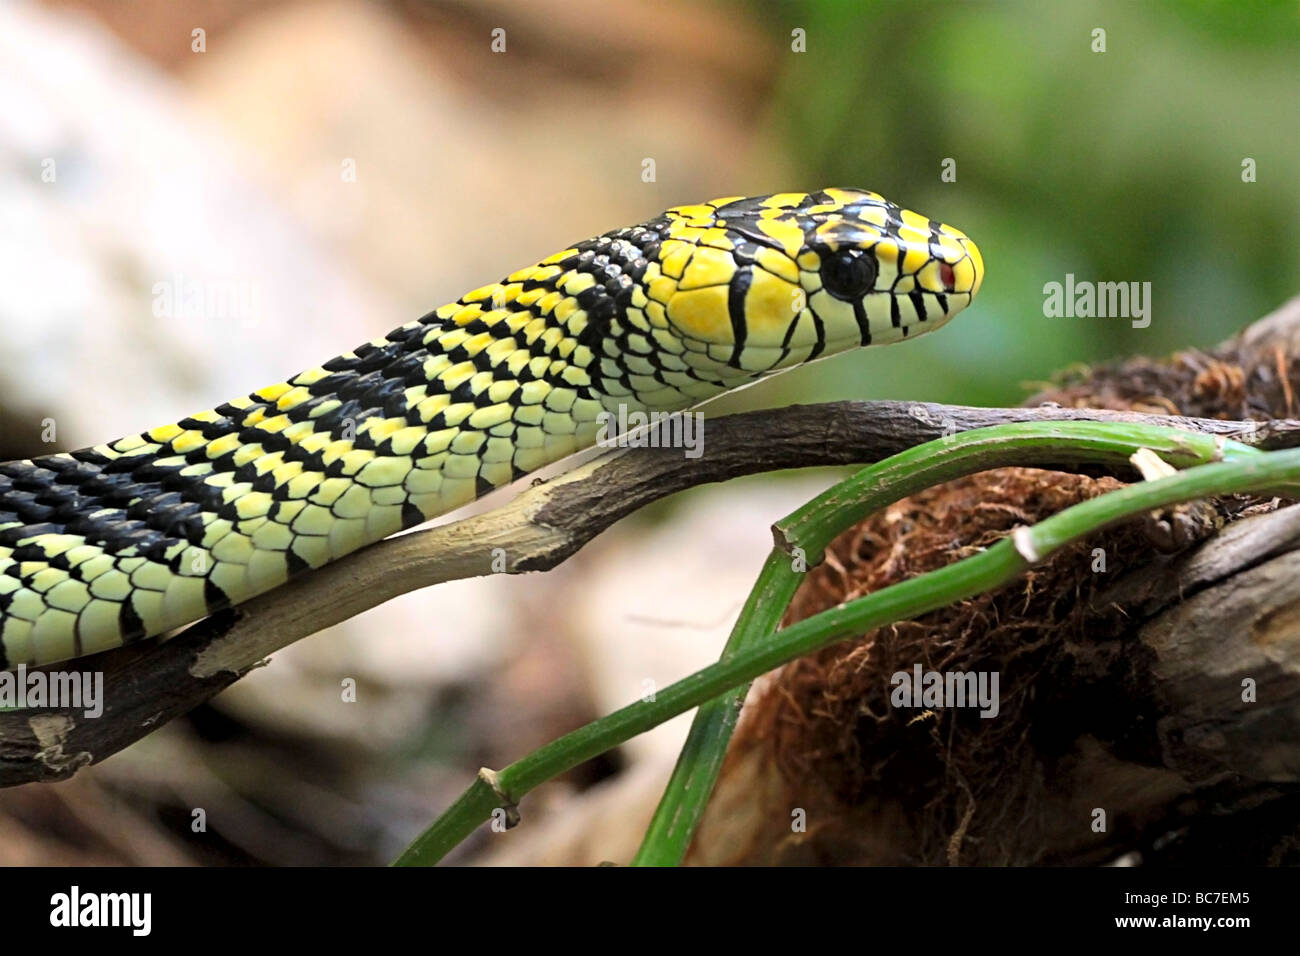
x,y
953,269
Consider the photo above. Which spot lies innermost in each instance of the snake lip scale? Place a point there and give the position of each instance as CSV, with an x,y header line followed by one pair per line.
x,y
131,539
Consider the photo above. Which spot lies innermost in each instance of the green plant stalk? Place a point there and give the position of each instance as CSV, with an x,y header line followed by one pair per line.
x,y
982,572
810,529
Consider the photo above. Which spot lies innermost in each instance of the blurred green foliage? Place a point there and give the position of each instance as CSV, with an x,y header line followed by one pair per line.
x,y
1117,166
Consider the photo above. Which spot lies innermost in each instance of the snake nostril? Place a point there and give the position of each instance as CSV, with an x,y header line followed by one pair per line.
x,y
946,276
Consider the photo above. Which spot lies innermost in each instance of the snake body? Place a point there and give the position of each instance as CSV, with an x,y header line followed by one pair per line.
x,y
127,540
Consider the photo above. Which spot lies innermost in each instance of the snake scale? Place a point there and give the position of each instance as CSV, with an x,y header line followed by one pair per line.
x,y
131,539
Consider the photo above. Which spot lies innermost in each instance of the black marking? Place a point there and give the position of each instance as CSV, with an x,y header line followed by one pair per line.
x,y
213,597
820,328
89,456
330,384
747,208
743,251
27,510
918,303
295,562
736,295
411,515
365,358
129,623
264,483
864,323
153,547
403,335
789,333
637,267
209,430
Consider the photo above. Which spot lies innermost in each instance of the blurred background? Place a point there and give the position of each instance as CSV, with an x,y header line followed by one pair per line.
x,y
199,198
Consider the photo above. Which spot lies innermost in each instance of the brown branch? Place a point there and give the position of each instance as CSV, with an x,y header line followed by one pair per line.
x,y
150,683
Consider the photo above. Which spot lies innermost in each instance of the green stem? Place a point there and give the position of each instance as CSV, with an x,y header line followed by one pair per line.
x,y
991,568
807,532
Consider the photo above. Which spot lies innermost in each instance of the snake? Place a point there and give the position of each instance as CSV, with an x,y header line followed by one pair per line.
x,y
133,539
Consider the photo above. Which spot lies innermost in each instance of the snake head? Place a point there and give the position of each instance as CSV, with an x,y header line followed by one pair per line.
x,y
759,284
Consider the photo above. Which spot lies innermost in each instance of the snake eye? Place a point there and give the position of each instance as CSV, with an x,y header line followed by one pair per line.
x,y
848,274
